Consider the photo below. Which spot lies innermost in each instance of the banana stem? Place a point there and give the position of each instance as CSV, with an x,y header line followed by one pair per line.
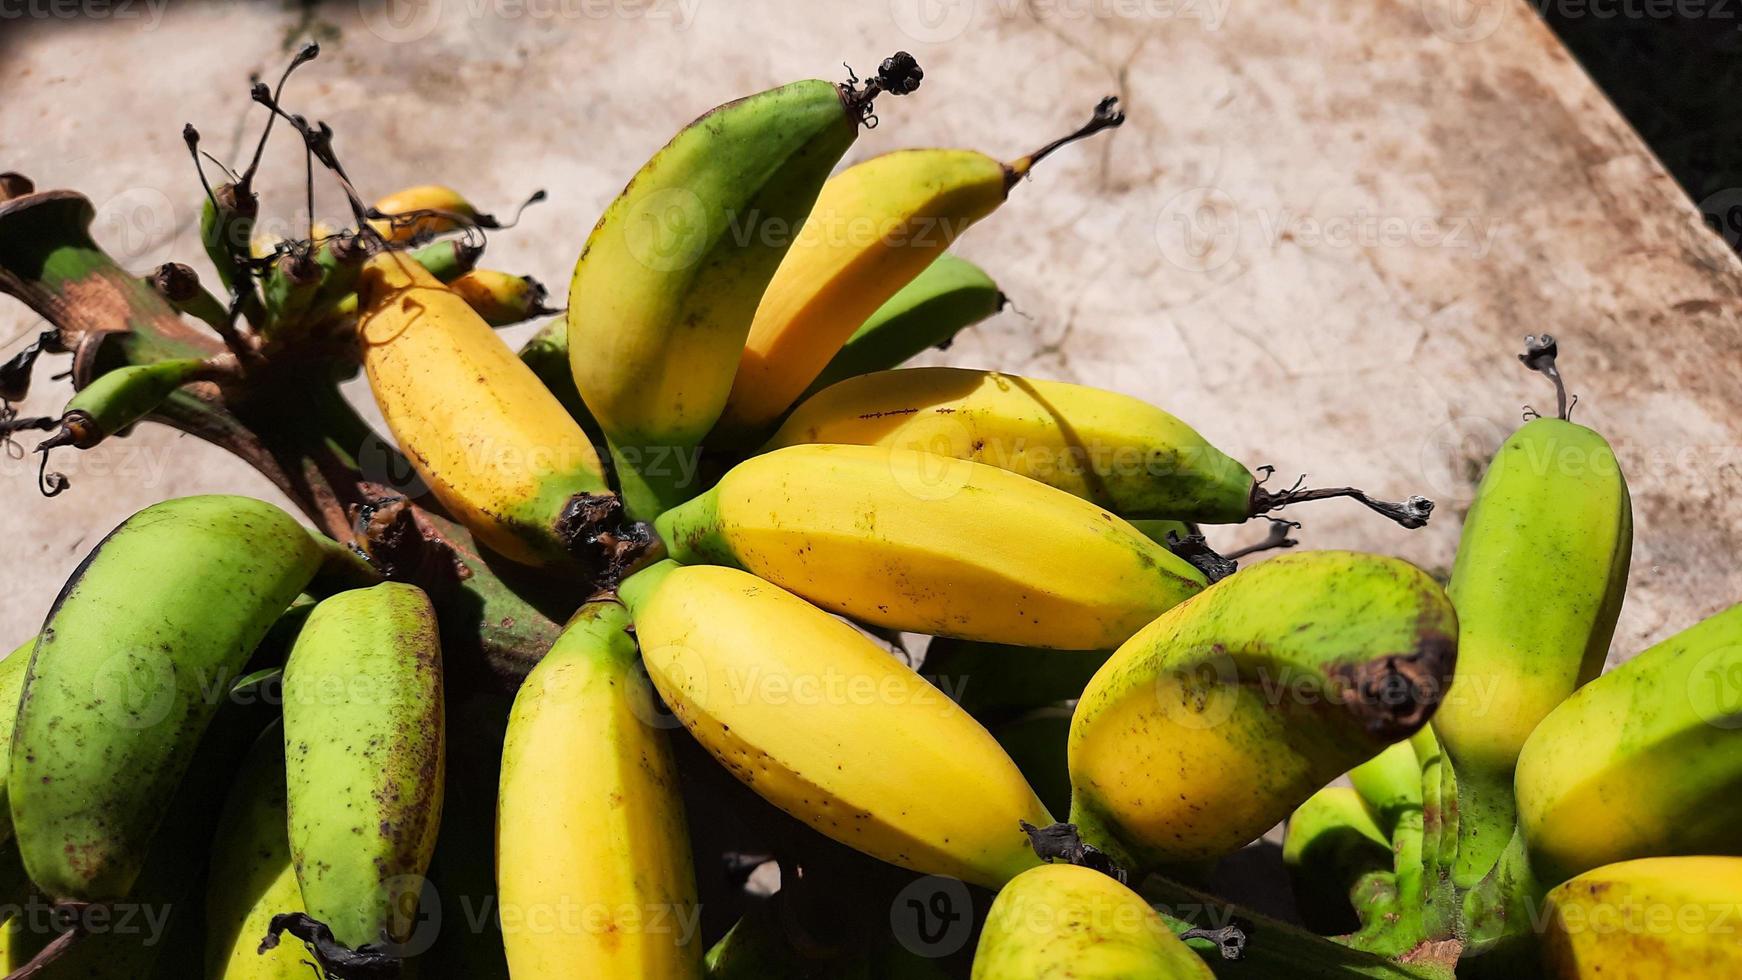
x,y
1277,538
335,958
1107,116
1413,512
1540,351
56,948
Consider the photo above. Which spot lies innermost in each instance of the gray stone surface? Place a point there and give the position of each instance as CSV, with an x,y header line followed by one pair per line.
x,y
1319,238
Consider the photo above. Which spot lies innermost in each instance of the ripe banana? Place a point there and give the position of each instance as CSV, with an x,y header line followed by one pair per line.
x,y
825,725
1114,450
1660,918
501,298
1338,859
592,854
1061,921
425,210
947,297
1646,760
1220,717
918,542
1538,583
663,292
123,680
363,744
495,447
875,226
252,877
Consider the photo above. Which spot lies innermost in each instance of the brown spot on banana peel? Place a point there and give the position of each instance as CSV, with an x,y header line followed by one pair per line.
x,y
1394,695
593,529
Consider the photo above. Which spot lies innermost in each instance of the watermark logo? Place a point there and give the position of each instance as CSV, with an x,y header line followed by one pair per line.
x,y
136,226
933,916
933,21
1199,229
1464,21
400,21
667,229
1715,688
135,689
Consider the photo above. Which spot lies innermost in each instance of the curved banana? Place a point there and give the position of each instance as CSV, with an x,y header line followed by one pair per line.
x,y
1390,785
664,291
1652,919
251,877
117,399
494,446
364,759
122,682
1538,583
592,854
425,210
824,724
946,298
12,673
1333,848
1060,921
501,298
1219,718
1645,760
917,542
875,226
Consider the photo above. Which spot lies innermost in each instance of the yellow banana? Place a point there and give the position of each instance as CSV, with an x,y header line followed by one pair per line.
x,y
664,290
1665,918
489,440
592,855
1223,715
825,725
918,542
875,226
422,211
1645,760
501,298
1060,921
1538,584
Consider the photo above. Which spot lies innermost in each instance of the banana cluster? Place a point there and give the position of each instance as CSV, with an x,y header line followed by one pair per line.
x,y
919,643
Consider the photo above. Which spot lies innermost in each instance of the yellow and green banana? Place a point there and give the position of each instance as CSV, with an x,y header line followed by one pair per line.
x,y
1228,711
824,724
1664,918
1060,921
127,675
1114,450
501,298
665,288
1538,584
489,440
12,673
948,296
875,226
912,541
592,854
1644,761
1338,858
252,877
364,759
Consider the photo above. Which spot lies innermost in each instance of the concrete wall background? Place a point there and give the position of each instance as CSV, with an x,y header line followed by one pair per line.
x,y
1319,238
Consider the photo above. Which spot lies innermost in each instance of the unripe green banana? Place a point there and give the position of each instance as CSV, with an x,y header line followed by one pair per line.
x,y
251,878
1646,760
665,289
364,744
947,297
1060,921
226,227
128,672
1334,850
911,541
1390,785
1219,718
12,672
593,856
1538,583
116,399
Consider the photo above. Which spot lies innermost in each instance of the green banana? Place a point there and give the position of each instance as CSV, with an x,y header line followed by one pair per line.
x,y
1538,583
1395,917
1390,785
1644,761
180,286
117,399
448,259
666,286
226,228
1216,720
290,288
364,759
1059,921
252,877
1338,859
122,682
946,298
12,672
